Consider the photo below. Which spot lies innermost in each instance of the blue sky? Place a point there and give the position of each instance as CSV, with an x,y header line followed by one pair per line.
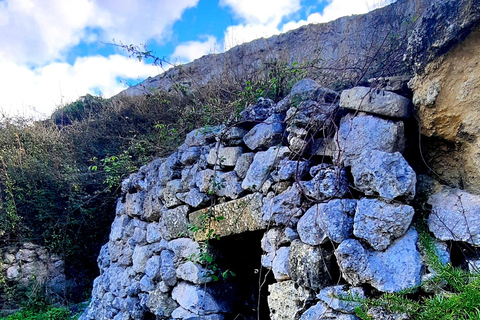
x,y
54,51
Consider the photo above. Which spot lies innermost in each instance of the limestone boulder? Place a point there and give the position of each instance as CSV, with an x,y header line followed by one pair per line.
x,y
455,215
395,269
263,163
375,101
266,134
358,134
224,156
339,298
380,223
328,182
385,174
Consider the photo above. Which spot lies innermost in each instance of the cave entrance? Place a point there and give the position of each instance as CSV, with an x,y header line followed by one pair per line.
x,y
241,254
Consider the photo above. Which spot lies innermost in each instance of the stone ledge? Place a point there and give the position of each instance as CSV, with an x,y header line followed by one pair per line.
x,y
240,215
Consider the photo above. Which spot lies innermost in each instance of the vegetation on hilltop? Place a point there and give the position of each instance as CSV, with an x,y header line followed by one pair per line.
x,y
60,178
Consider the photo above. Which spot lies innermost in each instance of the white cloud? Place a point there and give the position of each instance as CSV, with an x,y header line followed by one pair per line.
x,y
37,32
235,35
41,90
191,50
262,11
340,8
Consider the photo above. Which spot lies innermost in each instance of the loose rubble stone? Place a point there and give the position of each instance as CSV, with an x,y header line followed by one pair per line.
x,y
160,304
290,170
375,101
397,268
167,268
379,223
243,163
266,134
258,112
263,163
328,182
310,266
224,156
283,209
190,155
280,266
174,223
332,220
358,134
192,272
385,174
455,215
196,299
170,193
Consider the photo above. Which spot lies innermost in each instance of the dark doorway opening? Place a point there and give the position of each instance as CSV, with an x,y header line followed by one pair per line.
x,y
241,254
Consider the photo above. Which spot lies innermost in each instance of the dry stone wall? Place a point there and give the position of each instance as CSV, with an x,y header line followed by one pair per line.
x,y
330,207
30,265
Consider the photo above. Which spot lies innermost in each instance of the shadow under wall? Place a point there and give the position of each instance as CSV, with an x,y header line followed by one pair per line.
x,y
248,289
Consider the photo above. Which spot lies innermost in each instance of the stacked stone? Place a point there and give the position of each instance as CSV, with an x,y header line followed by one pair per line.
x,y
31,262
282,169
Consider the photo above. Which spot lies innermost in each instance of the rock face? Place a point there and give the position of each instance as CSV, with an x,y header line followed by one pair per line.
x,y
446,99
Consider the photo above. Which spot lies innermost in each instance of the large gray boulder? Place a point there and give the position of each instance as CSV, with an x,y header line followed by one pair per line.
x,y
283,209
455,215
358,134
224,156
266,134
375,101
196,299
331,220
379,223
385,174
395,269
263,163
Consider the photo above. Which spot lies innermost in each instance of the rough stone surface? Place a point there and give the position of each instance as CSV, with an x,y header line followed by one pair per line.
x,y
397,268
266,134
224,156
239,216
385,174
379,223
455,215
283,209
375,101
280,264
358,134
443,97
263,163
328,182
310,266
286,301
196,299
321,311
337,298
332,220
174,223
243,163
